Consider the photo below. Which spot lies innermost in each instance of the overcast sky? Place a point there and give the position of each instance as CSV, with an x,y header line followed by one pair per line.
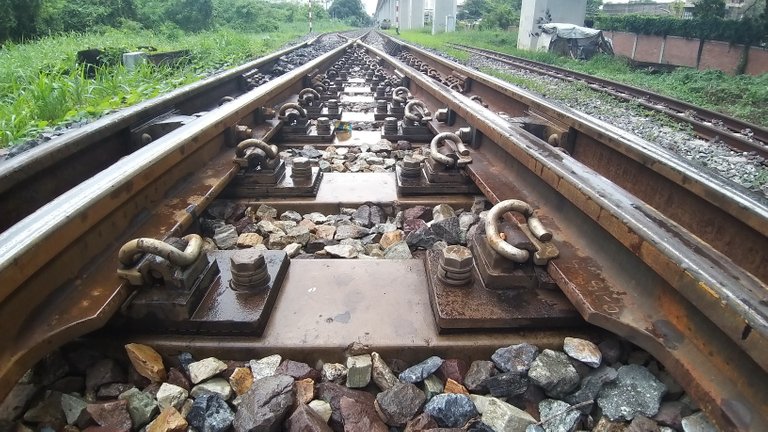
x,y
370,5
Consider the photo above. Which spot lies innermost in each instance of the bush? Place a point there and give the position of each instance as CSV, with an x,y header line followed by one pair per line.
x,y
187,15
746,31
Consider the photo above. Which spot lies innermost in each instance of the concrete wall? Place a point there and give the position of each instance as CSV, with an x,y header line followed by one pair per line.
x,y
680,51
535,11
443,10
405,14
417,14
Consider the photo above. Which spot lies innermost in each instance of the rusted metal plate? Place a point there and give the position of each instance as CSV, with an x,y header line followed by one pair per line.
x,y
288,186
324,305
219,310
422,186
476,307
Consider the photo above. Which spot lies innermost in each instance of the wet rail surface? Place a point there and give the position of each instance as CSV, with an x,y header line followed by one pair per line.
x,y
622,263
709,125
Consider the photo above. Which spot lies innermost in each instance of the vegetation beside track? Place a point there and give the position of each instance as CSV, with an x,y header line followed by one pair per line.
x,y
41,86
741,96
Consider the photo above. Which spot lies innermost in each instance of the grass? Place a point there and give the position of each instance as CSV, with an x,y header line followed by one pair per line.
x,y
41,86
742,96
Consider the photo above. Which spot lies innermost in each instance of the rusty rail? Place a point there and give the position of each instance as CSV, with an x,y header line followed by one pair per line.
x,y
708,124
699,312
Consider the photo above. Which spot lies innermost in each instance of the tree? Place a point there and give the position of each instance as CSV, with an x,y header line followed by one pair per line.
x,y
708,9
593,7
502,14
347,9
677,7
19,18
472,9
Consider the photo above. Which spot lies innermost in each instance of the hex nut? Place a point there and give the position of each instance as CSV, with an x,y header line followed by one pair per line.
x,y
457,257
301,162
441,115
247,261
409,162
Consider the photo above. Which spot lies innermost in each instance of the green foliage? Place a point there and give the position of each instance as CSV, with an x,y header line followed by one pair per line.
x,y
66,15
502,14
748,30
472,9
187,15
40,85
351,11
708,9
18,19
593,7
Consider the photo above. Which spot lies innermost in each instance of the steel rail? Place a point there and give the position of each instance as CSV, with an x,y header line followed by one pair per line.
x,y
708,124
26,180
690,309
713,208
47,258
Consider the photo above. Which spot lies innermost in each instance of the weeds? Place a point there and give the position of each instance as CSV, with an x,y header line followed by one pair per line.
x,y
41,86
741,96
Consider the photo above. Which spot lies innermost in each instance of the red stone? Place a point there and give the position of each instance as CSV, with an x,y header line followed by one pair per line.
x,y
113,415
454,369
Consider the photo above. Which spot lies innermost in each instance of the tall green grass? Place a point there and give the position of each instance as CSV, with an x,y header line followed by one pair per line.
x,y
41,86
742,96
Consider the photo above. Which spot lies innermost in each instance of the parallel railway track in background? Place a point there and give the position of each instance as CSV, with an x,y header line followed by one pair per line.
x,y
650,248
709,125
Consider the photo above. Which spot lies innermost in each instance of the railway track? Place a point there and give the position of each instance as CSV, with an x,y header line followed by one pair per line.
x,y
709,125
80,153
618,237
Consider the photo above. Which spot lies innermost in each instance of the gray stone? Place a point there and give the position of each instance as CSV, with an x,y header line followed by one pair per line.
x,y
75,410
515,358
305,419
317,218
671,414
48,410
421,371
423,237
433,386
104,371
334,372
381,373
697,423
170,395
362,216
265,367
552,416
501,416
399,250
292,250
642,424
478,373
358,371
355,243
553,372
441,212
508,384
217,386
591,385
264,406
210,413
466,220
448,230
297,234
634,391
611,350
360,415
266,212
341,251
478,205
291,215
225,237
202,370
141,406
17,400
583,351
350,231
310,152
399,403
451,410
322,408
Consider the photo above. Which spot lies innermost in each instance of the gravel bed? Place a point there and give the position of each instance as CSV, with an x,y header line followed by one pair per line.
x,y
601,385
285,65
366,232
